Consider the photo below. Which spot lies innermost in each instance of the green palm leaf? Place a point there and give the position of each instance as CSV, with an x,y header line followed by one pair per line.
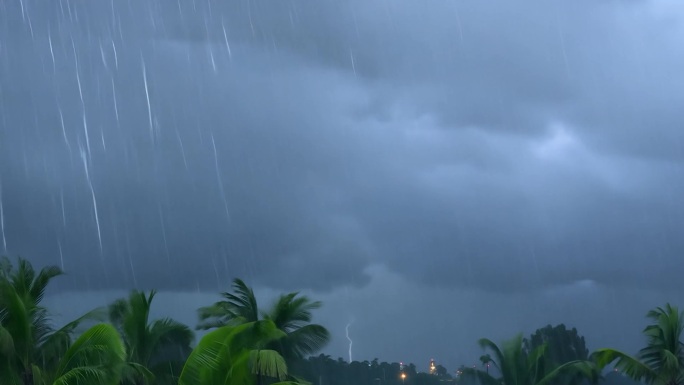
x,y
56,343
489,344
152,346
306,340
17,322
206,362
40,282
239,307
268,363
6,342
132,372
291,313
226,355
86,375
96,357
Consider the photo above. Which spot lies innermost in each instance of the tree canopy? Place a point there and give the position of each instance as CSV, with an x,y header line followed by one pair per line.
x,y
247,345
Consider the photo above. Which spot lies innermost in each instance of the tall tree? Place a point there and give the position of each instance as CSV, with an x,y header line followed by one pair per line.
x,y
661,361
563,345
291,313
32,351
516,366
155,349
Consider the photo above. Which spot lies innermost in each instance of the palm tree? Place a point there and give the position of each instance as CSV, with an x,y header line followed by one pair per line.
x,y
31,350
661,362
517,367
291,314
236,309
563,345
96,357
237,354
156,350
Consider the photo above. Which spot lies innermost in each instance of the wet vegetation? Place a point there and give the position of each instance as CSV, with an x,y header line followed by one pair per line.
x,y
120,344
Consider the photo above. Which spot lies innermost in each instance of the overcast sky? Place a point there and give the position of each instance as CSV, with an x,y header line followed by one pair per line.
x,y
434,171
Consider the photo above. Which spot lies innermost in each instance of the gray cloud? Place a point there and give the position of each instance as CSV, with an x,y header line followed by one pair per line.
x,y
459,144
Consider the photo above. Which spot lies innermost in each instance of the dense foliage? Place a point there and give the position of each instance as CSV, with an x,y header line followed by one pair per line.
x,y
121,345
33,352
291,314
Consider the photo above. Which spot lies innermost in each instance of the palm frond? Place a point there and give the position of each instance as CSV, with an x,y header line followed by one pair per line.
x,y
627,364
223,356
56,343
38,376
6,342
168,331
40,282
86,375
244,301
17,321
167,335
586,369
41,323
204,364
515,368
117,311
213,324
536,362
96,356
133,372
292,311
237,308
489,344
5,267
305,341
133,321
9,373
22,277
268,363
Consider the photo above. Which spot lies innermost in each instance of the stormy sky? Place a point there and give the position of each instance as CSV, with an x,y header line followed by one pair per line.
x,y
434,171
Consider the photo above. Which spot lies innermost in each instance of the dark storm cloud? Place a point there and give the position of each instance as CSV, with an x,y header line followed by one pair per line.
x,y
458,143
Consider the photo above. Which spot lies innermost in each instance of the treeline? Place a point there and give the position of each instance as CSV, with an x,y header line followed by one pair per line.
x,y
323,370
561,345
246,345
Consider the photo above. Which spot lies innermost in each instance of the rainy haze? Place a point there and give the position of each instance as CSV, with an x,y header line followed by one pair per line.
x,y
433,172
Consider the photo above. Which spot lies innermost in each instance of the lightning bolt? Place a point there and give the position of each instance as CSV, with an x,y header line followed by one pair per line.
x,y
346,332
